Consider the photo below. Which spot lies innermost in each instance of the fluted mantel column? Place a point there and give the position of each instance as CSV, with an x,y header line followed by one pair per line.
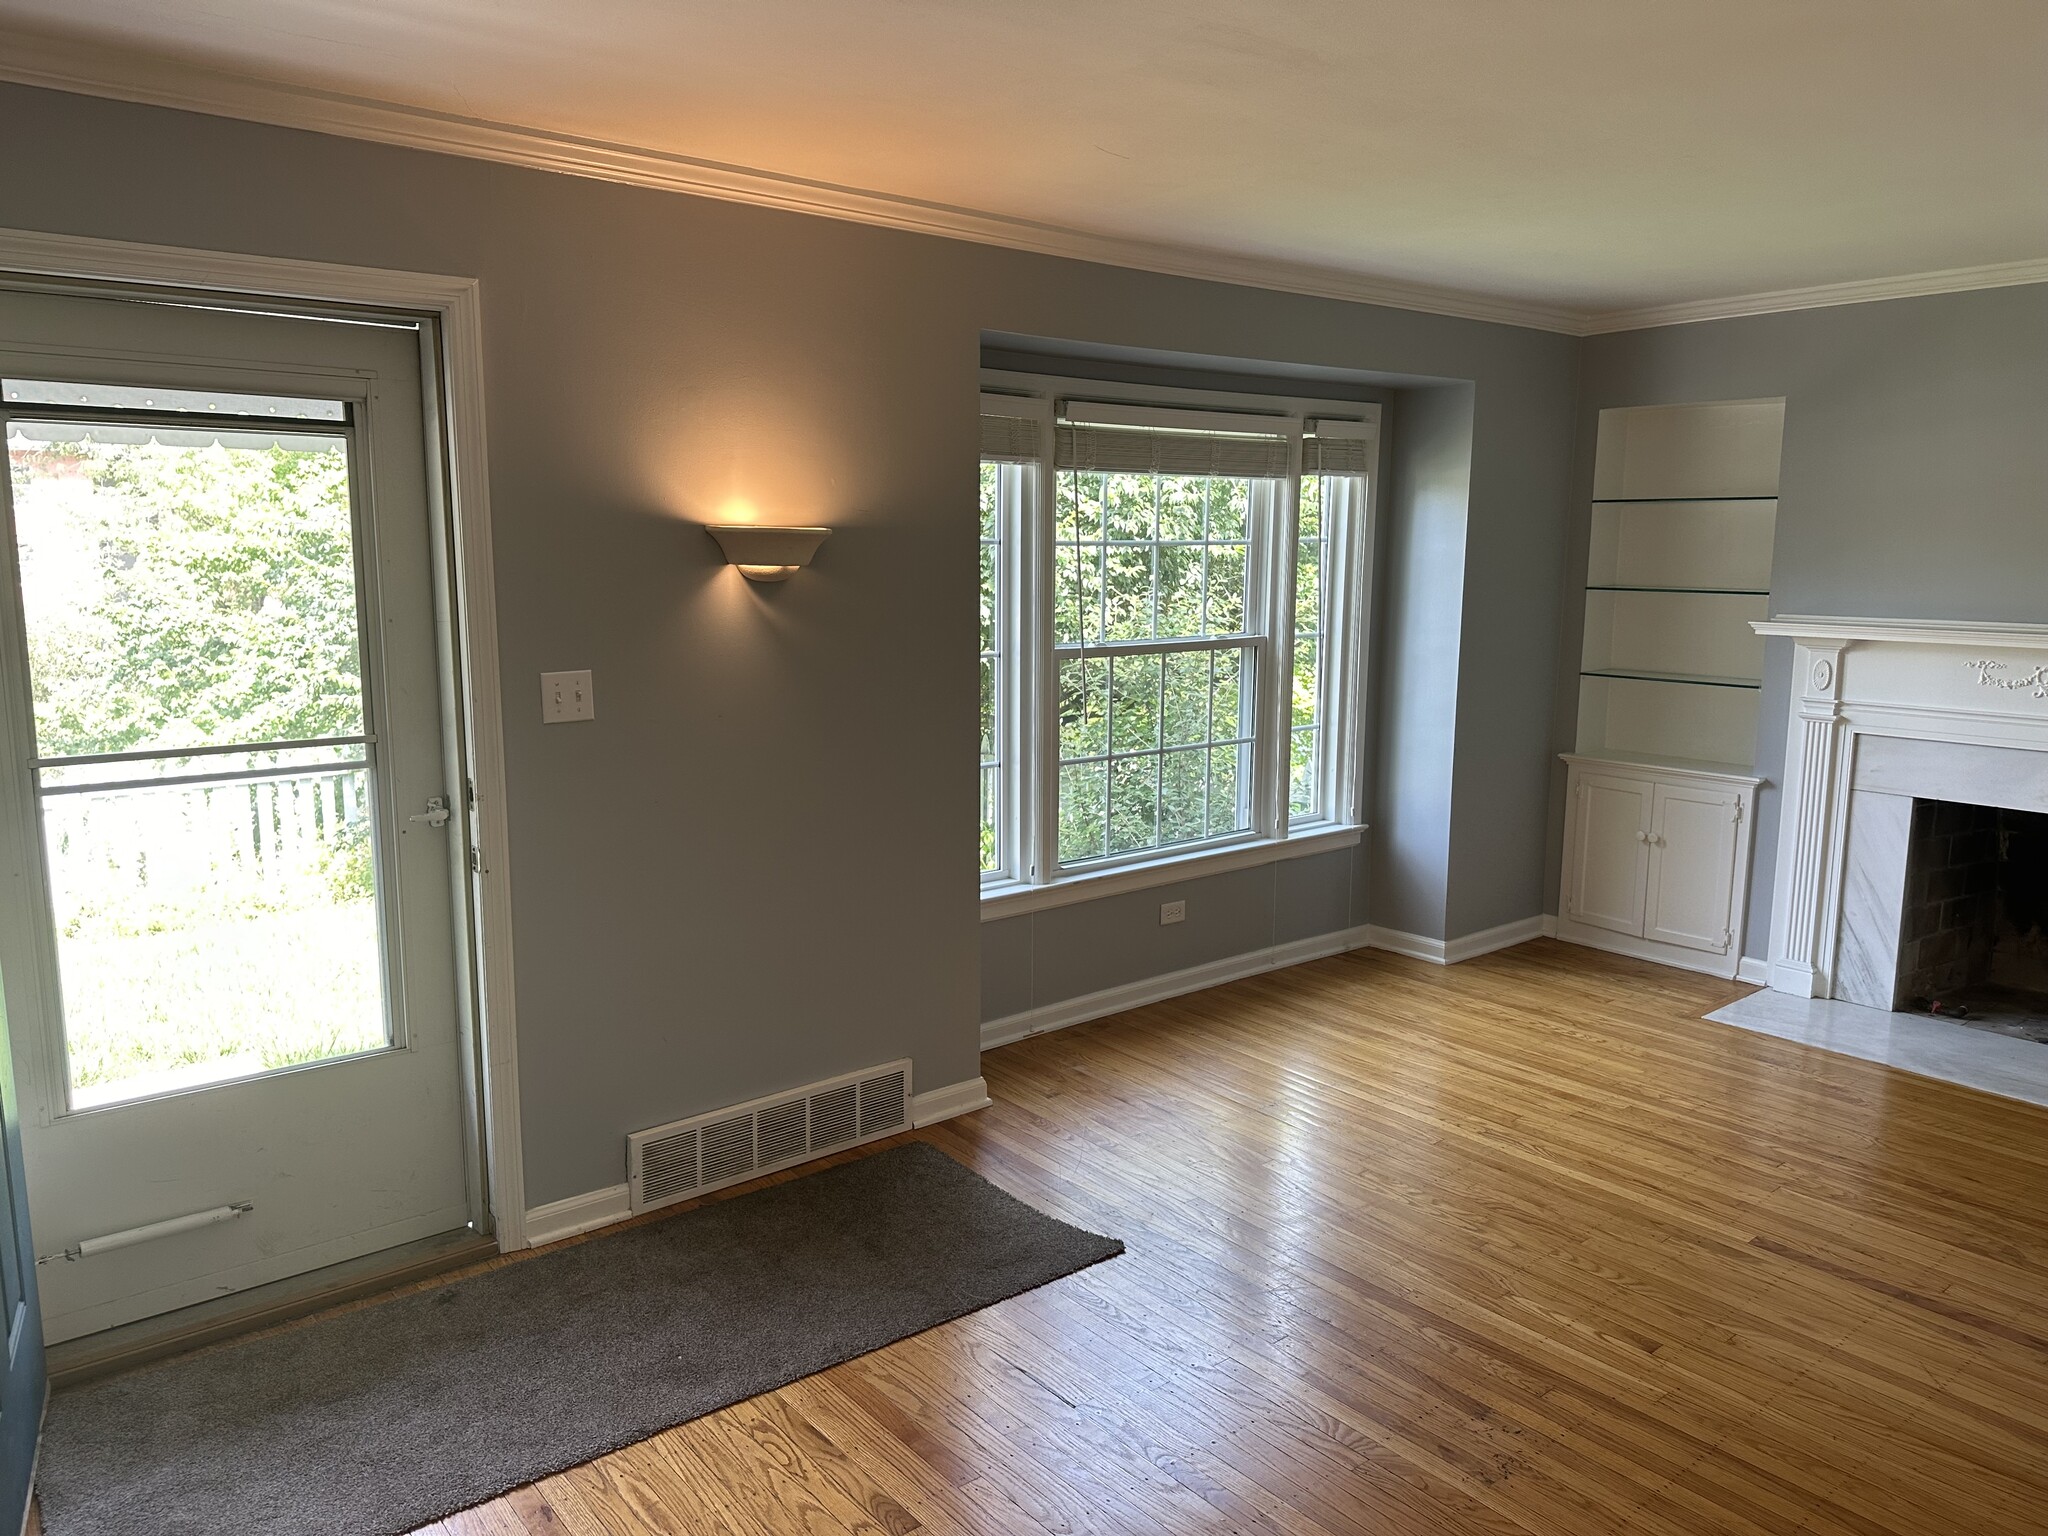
x,y
1807,831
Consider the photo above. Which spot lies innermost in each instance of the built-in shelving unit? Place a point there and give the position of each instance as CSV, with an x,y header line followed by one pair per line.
x,y
1660,799
1683,519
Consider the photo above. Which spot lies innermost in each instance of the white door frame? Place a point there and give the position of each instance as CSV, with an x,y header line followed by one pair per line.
x,y
456,303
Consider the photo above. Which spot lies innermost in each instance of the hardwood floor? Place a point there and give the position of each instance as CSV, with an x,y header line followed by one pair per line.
x,y
1515,1246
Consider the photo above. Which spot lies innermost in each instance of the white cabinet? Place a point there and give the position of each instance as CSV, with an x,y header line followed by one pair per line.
x,y
1611,840
1656,861
1696,832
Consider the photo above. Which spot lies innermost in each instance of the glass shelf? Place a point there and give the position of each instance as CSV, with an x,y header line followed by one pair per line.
x,y
1696,679
1605,586
1641,501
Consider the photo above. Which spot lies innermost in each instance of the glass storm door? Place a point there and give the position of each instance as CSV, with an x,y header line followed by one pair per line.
x,y
235,821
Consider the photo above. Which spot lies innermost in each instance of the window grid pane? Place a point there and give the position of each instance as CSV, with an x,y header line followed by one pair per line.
x,y
991,671
1143,557
1154,750
1155,747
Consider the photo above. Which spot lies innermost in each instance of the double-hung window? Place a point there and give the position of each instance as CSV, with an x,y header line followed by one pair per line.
x,y
1173,604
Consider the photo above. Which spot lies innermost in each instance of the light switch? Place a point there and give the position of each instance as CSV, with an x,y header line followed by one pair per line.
x,y
566,696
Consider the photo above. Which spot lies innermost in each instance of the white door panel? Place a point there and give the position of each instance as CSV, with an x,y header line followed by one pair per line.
x,y
1610,853
288,1039
1693,843
293,1145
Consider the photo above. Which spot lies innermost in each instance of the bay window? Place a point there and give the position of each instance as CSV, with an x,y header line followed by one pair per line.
x,y
1172,618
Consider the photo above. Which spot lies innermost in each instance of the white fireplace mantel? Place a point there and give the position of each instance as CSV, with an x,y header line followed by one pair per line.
x,y
1972,683
2033,637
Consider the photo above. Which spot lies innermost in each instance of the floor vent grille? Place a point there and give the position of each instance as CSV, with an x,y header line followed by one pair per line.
x,y
707,1152
884,1103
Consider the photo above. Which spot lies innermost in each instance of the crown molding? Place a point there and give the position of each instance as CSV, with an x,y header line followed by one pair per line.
x,y
64,64
85,68
1869,290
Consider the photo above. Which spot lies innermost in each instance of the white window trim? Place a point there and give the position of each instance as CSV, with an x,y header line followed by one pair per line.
x,y
1023,567
1012,898
1029,878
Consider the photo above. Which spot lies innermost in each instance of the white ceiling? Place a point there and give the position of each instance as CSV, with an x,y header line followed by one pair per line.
x,y
1590,154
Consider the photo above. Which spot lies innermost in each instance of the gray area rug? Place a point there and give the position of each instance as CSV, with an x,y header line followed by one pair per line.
x,y
380,1420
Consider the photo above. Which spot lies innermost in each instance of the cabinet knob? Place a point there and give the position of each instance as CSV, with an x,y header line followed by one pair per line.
x,y
1642,837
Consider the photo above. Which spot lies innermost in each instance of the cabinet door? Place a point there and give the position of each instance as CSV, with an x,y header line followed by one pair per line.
x,y
1694,836
1610,853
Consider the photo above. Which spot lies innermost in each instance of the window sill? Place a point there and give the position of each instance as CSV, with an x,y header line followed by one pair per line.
x,y
1015,897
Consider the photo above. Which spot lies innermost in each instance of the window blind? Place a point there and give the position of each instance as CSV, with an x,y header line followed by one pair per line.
x,y
1143,450
172,437
1336,455
1010,440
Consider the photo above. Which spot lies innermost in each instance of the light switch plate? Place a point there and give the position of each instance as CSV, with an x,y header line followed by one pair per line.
x,y
566,696
1172,912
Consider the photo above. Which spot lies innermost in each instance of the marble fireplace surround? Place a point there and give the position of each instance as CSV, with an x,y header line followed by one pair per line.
x,y
1885,711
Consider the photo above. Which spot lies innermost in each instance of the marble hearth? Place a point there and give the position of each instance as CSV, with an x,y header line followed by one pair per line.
x,y
1911,1042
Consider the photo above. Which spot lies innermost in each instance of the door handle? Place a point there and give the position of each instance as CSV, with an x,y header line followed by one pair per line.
x,y
437,813
128,1237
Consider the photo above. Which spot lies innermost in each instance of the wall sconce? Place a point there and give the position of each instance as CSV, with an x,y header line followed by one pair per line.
x,y
766,554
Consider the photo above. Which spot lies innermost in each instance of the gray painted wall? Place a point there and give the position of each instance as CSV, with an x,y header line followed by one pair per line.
x,y
756,866
1914,482
1428,508
1514,560
1046,957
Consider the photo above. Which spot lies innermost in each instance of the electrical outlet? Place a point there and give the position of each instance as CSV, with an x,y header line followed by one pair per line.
x,y
566,696
1172,912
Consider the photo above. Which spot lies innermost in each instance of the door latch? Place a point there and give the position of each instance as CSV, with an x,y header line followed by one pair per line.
x,y
437,813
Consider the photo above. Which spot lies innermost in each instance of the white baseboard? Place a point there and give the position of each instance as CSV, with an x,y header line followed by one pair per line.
x,y
1136,994
558,1219
1792,976
578,1214
1413,945
945,1103
1154,989
1754,971
1677,956
1487,940
1469,947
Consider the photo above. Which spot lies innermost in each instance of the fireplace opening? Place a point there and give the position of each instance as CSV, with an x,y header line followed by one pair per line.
x,y
1973,937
